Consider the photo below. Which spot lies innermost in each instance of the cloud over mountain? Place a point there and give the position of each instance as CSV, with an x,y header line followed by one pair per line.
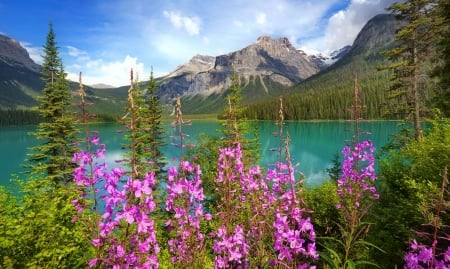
x,y
164,34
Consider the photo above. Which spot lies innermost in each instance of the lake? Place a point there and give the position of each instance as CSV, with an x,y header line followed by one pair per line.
x,y
313,144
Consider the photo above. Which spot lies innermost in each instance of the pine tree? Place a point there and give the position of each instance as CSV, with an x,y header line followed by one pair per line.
x,y
53,158
154,131
443,72
146,132
236,128
416,40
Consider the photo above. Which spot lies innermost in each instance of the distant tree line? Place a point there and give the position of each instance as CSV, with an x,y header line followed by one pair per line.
x,y
332,102
19,117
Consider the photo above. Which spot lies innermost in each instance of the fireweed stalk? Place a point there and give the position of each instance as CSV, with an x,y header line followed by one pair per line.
x,y
294,235
185,205
356,190
126,235
257,207
86,175
244,234
184,200
295,238
271,228
230,244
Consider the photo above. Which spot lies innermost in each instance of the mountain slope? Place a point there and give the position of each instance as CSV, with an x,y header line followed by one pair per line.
x,y
20,81
329,94
264,68
21,84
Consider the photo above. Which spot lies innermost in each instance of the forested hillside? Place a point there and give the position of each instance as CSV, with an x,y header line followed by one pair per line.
x,y
329,94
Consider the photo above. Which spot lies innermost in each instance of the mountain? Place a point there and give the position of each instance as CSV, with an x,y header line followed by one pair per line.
x,y
101,86
324,61
20,81
329,93
21,84
268,64
12,53
331,72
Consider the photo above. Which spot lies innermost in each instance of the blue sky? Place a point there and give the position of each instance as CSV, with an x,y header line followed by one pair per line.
x,y
104,39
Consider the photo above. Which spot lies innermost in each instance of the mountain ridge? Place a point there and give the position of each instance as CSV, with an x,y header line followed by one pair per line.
x,y
274,59
267,68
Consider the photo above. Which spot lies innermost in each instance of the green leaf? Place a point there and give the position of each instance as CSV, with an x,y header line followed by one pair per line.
x,y
366,263
350,263
362,242
330,239
331,262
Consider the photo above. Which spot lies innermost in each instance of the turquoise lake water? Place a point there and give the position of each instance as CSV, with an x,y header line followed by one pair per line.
x,y
313,144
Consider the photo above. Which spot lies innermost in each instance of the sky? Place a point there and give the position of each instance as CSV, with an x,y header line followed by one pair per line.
x,y
104,39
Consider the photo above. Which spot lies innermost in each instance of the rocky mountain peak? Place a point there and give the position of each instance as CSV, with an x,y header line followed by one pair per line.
x,y
13,54
268,55
274,46
198,63
267,60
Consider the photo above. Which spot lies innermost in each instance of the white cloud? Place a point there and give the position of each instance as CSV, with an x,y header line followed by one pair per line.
x,y
81,56
261,18
343,26
190,24
165,35
116,73
34,52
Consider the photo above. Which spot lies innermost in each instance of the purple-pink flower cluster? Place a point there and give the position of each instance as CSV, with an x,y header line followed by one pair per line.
x,y
276,215
184,200
422,257
127,207
230,246
295,238
125,235
358,174
231,249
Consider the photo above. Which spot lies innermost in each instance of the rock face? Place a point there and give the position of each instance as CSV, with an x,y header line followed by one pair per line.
x,y
12,53
378,32
275,60
20,81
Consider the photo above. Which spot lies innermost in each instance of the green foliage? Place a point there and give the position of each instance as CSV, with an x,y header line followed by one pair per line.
x,y
322,200
236,127
8,229
206,154
19,117
442,71
334,258
145,130
409,61
38,231
408,176
335,170
53,158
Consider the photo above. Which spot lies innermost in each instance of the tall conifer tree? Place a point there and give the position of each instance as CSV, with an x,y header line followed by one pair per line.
x,y
146,133
153,131
53,158
237,128
416,42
